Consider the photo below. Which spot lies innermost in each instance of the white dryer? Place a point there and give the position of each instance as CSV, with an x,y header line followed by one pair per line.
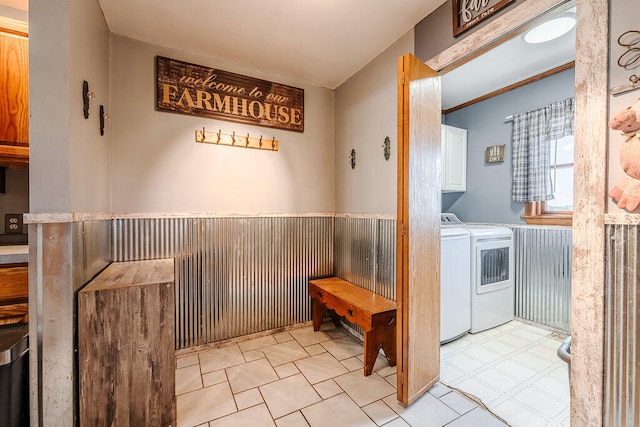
x,y
492,290
455,298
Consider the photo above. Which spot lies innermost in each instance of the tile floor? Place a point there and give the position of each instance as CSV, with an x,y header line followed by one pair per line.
x,y
306,378
514,370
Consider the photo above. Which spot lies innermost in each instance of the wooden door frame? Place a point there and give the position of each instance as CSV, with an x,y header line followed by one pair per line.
x,y
590,177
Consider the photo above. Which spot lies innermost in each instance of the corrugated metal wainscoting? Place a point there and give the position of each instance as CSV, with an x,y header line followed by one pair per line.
x,y
622,326
365,254
234,276
543,275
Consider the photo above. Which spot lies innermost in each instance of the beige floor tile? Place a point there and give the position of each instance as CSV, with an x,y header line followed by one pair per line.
x,y
336,334
289,395
352,363
426,411
449,374
344,348
215,377
498,347
184,361
320,368
342,410
252,355
220,358
475,418
257,343
439,390
364,390
292,420
203,405
248,398
557,388
284,353
257,416
282,337
478,389
380,412
482,354
307,336
533,361
392,380
250,375
458,403
328,388
315,349
286,370
188,379
464,362
398,422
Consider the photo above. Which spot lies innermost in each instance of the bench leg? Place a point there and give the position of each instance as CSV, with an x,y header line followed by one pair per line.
x,y
381,337
318,312
335,318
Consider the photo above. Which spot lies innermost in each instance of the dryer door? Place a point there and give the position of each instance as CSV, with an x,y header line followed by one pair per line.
x,y
493,265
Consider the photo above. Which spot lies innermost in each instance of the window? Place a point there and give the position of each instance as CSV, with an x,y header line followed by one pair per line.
x,y
561,175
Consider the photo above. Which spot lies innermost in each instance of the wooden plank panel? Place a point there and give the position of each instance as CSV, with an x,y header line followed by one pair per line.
x,y
418,264
126,346
590,189
14,87
14,285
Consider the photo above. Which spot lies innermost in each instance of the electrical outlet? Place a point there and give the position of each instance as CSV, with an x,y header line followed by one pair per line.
x,y
13,223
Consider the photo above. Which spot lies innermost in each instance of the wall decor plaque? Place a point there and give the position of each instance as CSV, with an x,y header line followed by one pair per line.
x,y
202,91
469,13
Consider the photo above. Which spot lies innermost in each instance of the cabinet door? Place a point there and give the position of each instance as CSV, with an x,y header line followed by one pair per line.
x,y
454,159
14,96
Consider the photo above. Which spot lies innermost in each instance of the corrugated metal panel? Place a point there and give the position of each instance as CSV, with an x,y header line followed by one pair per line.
x,y
622,326
234,276
365,254
543,275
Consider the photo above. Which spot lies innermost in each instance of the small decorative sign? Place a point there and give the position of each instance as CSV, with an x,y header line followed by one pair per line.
x,y
494,154
201,91
469,13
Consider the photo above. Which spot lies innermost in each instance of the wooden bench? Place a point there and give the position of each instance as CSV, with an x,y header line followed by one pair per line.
x,y
375,314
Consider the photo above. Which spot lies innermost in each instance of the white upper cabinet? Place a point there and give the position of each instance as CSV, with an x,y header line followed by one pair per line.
x,y
453,172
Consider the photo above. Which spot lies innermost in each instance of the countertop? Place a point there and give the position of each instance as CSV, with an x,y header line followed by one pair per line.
x,y
14,254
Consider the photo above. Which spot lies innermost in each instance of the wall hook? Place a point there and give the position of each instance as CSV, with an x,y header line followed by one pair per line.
x,y
102,117
260,143
352,157
219,134
233,138
273,143
202,134
387,148
247,141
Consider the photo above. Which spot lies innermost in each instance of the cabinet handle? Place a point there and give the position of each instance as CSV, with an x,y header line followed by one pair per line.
x,y
350,312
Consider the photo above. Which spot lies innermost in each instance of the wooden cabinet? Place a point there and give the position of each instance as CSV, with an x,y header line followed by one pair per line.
x,y
14,293
453,172
126,346
14,98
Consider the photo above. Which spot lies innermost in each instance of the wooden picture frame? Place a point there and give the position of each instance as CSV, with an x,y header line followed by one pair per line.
x,y
466,14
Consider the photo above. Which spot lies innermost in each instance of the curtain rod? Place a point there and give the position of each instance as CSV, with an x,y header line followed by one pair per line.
x,y
508,118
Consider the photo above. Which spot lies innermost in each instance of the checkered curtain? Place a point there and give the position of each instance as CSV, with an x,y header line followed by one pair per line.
x,y
533,132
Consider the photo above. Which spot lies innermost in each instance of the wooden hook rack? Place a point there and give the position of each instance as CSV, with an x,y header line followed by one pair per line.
x,y
244,141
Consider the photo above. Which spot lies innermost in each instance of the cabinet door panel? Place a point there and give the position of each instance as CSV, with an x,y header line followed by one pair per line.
x,y
14,94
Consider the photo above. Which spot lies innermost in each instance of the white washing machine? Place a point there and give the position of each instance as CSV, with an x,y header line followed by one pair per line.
x,y
455,298
492,290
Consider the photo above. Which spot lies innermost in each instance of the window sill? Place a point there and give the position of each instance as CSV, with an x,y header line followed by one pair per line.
x,y
549,219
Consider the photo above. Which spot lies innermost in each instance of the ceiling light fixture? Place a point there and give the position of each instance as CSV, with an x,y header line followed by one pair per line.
x,y
551,30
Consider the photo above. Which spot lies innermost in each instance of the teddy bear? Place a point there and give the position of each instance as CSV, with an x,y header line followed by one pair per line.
x,y
627,190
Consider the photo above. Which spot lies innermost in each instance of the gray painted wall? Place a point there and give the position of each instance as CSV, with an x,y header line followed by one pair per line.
x,y
488,195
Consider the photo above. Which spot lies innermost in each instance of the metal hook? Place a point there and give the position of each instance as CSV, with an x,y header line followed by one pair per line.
x,y
219,132
203,137
247,140
273,143
233,138
260,143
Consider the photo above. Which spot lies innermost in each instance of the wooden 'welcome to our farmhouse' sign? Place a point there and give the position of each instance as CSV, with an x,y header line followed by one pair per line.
x,y
201,91
469,13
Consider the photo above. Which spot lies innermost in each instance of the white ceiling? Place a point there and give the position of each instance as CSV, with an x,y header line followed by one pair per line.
x,y
323,42
509,63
